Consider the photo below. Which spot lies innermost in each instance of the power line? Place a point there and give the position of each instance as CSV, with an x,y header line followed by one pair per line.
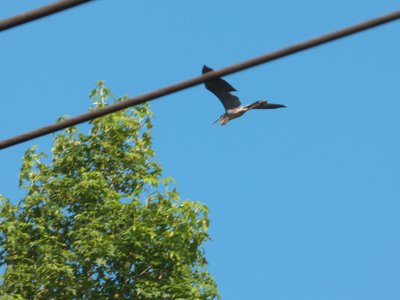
x,y
199,79
39,13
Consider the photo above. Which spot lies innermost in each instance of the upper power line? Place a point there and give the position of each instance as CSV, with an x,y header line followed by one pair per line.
x,y
39,13
200,79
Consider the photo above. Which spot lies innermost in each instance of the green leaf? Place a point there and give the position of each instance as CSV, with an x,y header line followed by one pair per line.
x,y
82,232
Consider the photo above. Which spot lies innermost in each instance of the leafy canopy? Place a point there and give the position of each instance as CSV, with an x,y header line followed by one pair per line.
x,y
99,222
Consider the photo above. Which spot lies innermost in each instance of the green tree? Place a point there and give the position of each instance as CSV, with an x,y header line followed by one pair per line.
x,y
99,222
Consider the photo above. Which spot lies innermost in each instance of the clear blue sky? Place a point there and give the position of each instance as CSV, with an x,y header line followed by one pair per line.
x,y
304,201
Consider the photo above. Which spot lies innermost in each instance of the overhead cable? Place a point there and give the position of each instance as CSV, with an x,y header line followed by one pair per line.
x,y
39,13
199,79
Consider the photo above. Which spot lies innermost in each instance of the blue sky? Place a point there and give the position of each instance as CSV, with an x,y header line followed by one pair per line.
x,y
304,201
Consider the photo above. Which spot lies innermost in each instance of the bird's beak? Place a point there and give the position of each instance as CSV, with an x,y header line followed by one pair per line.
x,y
215,121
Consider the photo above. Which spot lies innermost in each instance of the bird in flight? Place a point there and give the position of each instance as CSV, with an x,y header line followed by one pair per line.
x,y
231,103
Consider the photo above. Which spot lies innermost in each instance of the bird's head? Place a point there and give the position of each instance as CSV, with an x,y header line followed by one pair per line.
x,y
223,120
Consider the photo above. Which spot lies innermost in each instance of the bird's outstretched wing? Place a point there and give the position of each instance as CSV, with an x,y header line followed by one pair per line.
x,y
264,105
221,89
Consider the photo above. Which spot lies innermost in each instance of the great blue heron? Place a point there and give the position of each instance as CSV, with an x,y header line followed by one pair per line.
x,y
231,103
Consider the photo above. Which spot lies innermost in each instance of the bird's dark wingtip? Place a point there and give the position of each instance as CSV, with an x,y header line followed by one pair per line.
x,y
217,85
207,69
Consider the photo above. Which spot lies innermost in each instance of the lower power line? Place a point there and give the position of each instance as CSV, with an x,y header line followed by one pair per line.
x,y
200,79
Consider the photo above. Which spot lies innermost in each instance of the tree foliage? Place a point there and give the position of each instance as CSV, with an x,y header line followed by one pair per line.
x,y
100,222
